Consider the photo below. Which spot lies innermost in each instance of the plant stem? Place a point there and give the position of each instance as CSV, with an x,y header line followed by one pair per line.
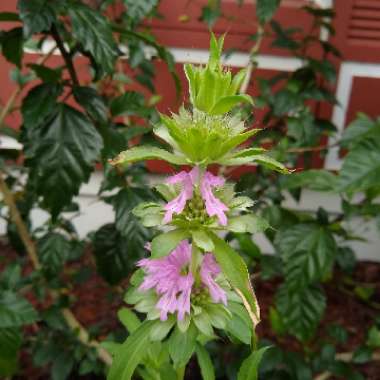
x,y
252,59
65,55
181,373
72,322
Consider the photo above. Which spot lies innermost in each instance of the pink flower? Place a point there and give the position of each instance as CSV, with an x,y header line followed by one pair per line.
x,y
170,278
209,270
178,204
214,207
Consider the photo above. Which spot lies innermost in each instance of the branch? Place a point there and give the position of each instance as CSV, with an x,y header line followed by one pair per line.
x,y
345,357
252,59
73,323
66,56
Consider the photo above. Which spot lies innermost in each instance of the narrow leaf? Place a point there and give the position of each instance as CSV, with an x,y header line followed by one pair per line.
x,y
205,363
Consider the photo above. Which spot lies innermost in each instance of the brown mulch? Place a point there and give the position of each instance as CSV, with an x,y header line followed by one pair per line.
x,y
95,302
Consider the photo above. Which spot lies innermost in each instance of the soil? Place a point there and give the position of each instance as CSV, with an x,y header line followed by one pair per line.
x,y
93,306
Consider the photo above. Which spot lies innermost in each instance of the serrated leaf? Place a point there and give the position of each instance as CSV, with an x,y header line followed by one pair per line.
x,y
318,180
205,363
138,10
361,128
148,153
361,167
164,243
308,251
130,103
10,342
114,253
46,74
247,223
92,102
15,311
12,45
37,15
302,310
65,151
92,30
53,251
250,366
40,103
265,9
131,353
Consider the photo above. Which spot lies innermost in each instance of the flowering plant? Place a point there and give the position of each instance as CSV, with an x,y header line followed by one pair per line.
x,y
194,285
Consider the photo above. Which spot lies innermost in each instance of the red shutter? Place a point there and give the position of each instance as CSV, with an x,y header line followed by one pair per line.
x,y
358,29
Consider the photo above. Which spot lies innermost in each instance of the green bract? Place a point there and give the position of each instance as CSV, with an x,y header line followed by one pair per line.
x,y
208,133
212,89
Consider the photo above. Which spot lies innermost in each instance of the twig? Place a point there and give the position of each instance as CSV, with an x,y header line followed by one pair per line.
x,y
66,56
252,60
73,323
345,357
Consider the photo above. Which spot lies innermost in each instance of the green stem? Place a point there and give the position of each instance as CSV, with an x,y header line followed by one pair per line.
x,y
181,373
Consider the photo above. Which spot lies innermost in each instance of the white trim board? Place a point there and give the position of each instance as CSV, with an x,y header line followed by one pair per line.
x,y
348,71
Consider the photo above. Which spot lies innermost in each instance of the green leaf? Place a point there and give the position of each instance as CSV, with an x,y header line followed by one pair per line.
x,y
239,329
130,103
129,319
247,223
126,222
10,343
37,15
202,240
66,148
53,250
62,366
9,16
318,180
373,339
131,353
12,45
205,363
360,129
46,74
308,251
92,30
265,9
250,366
361,167
301,311
182,345
40,103
164,243
148,153
250,156
138,10
15,311
226,103
114,258
236,272
161,329
92,102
